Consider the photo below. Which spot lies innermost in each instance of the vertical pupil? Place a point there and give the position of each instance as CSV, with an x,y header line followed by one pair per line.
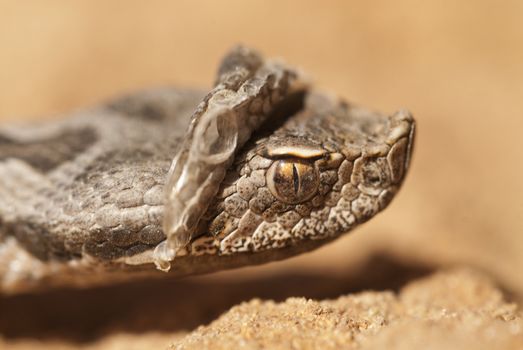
x,y
295,179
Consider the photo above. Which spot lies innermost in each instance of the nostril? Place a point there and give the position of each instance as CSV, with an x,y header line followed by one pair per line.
x,y
374,179
371,176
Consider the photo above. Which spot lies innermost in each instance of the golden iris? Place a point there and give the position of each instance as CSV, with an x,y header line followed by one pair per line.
x,y
292,181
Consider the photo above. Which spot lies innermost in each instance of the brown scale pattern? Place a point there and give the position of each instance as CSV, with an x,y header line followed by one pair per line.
x,y
359,173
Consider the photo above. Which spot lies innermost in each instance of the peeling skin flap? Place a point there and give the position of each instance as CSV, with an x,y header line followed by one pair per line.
x,y
246,91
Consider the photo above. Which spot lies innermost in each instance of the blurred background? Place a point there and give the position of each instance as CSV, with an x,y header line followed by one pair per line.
x,y
458,66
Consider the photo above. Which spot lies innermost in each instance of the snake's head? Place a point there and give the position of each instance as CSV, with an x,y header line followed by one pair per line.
x,y
301,167
266,168
325,170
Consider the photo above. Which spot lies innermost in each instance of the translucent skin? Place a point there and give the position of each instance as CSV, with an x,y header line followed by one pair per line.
x,y
247,89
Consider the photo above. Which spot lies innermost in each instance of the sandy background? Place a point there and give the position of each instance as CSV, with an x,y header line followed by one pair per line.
x,y
458,66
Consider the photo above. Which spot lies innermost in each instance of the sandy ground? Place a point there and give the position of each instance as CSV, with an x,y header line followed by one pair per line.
x,y
455,65
454,309
422,315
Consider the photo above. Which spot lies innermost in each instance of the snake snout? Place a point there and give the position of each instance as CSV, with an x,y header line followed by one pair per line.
x,y
401,139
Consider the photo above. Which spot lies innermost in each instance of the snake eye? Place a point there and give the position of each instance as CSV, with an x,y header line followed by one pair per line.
x,y
292,181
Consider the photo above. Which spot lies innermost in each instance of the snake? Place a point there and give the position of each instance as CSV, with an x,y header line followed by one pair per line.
x,y
260,168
